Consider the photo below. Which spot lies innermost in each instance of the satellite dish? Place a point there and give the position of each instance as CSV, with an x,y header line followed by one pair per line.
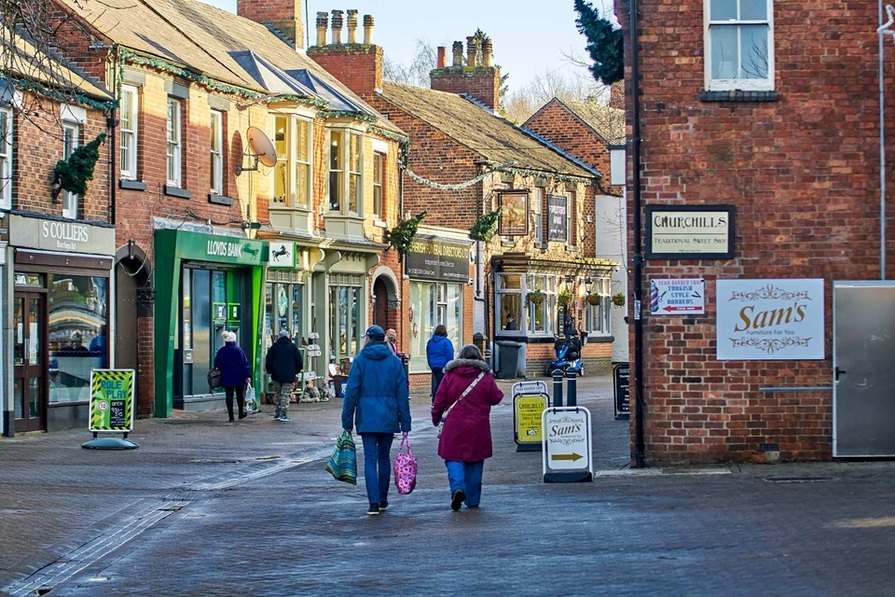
x,y
259,147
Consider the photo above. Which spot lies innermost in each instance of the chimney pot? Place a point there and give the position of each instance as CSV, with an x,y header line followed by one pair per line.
x,y
457,50
337,27
440,57
486,52
352,26
368,29
322,24
471,51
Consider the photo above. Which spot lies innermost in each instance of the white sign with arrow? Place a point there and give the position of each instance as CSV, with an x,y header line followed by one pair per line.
x,y
567,444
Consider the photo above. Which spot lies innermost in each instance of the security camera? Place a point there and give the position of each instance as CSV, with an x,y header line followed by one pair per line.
x,y
471,282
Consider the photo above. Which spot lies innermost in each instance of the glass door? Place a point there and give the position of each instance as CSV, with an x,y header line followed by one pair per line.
x,y
30,369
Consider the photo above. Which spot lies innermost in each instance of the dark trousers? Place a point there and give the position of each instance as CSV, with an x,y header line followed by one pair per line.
x,y
240,398
437,374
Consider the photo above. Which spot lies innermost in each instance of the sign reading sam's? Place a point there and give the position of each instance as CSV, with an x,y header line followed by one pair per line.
x,y
438,260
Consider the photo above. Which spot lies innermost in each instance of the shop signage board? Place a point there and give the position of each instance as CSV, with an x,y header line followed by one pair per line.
x,y
770,319
567,444
529,401
282,255
435,259
621,388
111,407
688,231
683,296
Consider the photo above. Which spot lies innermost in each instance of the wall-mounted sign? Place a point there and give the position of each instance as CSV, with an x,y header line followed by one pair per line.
x,y
765,320
689,231
684,296
513,213
282,255
557,218
438,260
60,235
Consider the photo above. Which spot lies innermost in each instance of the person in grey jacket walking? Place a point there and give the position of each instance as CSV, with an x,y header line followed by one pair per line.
x,y
283,363
377,403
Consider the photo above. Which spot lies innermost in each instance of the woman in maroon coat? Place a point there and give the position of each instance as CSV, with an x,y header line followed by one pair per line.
x,y
464,399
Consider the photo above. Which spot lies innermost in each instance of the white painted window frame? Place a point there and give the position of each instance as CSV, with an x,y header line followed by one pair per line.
x,y
712,26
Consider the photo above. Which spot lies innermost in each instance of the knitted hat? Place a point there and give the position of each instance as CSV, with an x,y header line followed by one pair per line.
x,y
229,337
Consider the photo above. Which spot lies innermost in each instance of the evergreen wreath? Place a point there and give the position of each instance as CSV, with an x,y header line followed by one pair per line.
x,y
485,227
73,174
402,234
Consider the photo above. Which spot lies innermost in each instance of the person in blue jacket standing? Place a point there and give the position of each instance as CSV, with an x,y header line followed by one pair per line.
x,y
377,403
439,350
235,373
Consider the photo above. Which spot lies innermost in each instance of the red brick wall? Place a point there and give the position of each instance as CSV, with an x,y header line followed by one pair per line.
x,y
357,66
480,82
802,173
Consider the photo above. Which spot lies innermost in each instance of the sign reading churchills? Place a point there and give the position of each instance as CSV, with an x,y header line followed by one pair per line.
x,y
689,231
770,320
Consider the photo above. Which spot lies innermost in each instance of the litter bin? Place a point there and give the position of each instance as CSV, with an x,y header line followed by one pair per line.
x,y
508,359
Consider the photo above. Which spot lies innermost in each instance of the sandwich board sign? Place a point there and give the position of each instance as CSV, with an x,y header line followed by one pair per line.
x,y
111,408
529,401
567,444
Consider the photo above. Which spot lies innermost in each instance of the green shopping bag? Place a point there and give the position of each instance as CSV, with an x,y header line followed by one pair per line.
x,y
342,463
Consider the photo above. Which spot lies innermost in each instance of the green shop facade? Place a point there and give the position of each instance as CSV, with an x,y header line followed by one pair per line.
x,y
205,284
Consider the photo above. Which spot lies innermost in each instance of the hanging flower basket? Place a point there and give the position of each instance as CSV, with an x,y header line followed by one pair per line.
x,y
593,299
536,296
565,298
618,299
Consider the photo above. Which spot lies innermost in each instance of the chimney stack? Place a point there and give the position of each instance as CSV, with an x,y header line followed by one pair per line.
x,y
478,79
440,57
352,26
282,16
357,66
322,26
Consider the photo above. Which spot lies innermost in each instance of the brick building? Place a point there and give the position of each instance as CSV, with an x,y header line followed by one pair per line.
x,y
754,181
463,162
56,241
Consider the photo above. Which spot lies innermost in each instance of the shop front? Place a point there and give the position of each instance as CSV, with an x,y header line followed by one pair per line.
x,y
61,317
205,284
439,274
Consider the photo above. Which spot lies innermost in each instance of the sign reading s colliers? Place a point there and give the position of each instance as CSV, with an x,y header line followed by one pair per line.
x,y
689,231
60,235
438,260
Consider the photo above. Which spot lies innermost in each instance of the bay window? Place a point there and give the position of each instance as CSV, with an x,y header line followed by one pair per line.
x,y
292,173
345,172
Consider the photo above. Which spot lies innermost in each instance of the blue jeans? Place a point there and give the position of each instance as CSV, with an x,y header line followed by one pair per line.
x,y
466,476
377,465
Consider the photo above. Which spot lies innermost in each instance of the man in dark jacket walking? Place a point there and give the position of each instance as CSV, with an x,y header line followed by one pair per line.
x,y
283,364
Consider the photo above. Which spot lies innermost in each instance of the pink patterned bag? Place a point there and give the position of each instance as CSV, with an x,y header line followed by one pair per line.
x,y
405,468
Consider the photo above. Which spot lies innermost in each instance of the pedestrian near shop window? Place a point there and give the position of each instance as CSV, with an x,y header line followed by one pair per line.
x,y
235,373
439,350
468,392
377,404
283,363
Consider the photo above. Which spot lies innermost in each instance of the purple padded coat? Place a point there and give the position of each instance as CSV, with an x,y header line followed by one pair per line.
x,y
467,429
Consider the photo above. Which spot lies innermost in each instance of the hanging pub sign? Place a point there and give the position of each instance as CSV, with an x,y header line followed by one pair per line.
x,y
689,231
513,213
557,218
770,320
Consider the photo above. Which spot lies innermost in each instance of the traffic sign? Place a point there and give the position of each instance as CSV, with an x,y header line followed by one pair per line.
x,y
567,444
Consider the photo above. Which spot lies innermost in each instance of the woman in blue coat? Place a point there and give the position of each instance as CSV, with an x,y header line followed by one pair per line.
x,y
439,350
235,373
376,402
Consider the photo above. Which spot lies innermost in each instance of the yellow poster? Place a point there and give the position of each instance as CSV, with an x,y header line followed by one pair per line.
x,y
529,408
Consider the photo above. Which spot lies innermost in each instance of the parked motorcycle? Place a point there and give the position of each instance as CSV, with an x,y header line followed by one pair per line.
x,y
568,357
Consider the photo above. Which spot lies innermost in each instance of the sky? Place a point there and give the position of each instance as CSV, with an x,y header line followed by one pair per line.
x,y
530,37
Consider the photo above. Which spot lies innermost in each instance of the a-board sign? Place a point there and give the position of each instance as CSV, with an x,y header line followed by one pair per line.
x,y
527,410
567,444
111,400
621,388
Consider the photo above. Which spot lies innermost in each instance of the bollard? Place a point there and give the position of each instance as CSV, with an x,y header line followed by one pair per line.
x,y
571,388
557,387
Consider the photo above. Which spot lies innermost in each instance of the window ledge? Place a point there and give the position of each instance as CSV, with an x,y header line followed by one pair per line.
x,y
380,223
131,185
220,199
178,192
738,95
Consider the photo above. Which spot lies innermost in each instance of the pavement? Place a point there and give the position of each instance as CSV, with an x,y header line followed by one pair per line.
x,y
208,507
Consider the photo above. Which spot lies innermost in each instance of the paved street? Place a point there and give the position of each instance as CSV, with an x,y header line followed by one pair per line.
x,y
206,507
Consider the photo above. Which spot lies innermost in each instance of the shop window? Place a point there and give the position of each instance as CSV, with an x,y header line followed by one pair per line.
x,y
433,303
346,326
509,303
77,334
